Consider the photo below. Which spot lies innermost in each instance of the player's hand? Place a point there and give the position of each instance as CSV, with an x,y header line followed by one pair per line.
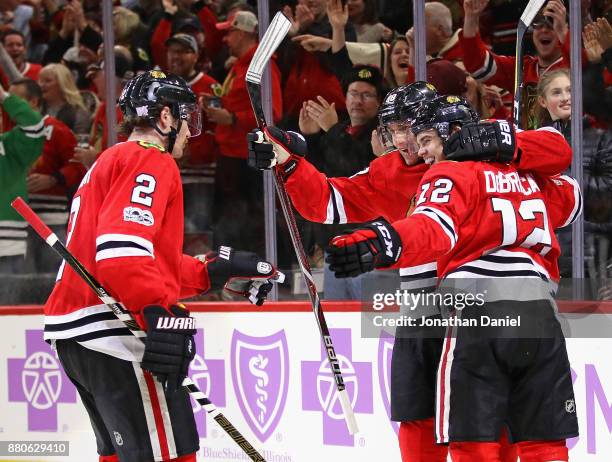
x,y
169,346
274,146
241,273
492,141
376,245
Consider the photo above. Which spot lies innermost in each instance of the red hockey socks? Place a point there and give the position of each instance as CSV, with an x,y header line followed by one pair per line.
x,y
543,451
113,458
418,444
472,451
507,451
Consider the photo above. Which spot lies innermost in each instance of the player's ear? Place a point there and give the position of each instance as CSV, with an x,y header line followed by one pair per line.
x,y
165,118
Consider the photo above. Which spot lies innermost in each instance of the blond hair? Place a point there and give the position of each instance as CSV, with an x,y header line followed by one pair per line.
x,y
542,115
66,83
125,22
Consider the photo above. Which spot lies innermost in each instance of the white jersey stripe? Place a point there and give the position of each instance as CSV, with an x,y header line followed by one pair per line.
x,y
445,222
148,409
121,252
443,389
102,239
166,419
577,209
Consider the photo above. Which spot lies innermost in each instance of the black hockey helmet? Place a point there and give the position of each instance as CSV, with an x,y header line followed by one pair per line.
x,y
146,95
401,103
441,113
399,108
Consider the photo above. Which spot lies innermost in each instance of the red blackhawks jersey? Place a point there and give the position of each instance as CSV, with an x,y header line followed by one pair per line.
x,y
387,187
481,219
58,151
126,228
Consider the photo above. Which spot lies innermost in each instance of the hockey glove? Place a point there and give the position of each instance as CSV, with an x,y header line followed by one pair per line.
x,y
377,245
274,146
492,141
169,346
241,273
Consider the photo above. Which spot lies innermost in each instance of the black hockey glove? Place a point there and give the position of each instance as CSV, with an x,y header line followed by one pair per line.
x,y
376,245
275,147
169,346
492,141
242,273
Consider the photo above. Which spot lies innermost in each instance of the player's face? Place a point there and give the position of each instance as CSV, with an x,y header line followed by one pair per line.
x,y
558,98
181,59
404,141
430,146
181,141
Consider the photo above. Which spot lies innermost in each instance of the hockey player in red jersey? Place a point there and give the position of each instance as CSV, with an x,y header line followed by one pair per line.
x,y
126,227
386,189
488,222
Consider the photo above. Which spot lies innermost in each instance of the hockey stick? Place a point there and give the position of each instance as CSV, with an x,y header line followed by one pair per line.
x,y
51,238
270,41
530,12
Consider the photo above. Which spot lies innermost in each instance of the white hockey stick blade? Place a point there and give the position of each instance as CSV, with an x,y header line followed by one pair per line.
x,y
275,34
349,415
531,10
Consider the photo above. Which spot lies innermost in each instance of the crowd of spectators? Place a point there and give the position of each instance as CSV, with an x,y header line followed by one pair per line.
x,y
328,77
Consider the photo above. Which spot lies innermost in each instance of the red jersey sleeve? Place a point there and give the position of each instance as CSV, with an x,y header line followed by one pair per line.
x,y
444,199
362,197
486,66
131,215
543,151
563,199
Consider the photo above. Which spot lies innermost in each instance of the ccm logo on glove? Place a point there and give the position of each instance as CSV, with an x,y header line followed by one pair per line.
x,y
386,235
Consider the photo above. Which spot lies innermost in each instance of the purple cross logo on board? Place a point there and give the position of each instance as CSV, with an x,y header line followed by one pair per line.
x,y
319,388
209,375
260,373
385,350
39,380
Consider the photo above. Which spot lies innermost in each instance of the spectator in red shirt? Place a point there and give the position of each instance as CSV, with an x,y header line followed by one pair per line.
x,y
551,41
14,43
53,178
235,183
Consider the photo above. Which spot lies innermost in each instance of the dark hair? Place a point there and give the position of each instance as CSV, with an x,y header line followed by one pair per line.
x,y
127,126
32,88
12,32
370,12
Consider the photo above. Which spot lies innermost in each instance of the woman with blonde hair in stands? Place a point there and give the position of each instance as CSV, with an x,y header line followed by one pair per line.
x,y
61,98
554,100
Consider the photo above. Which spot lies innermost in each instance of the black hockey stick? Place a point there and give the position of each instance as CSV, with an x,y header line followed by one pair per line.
x,y
51,238
269,43
530,12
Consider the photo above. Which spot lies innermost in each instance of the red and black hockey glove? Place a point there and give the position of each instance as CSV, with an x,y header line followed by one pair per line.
x,y
376,245
492,141
242,273
169,346
273,147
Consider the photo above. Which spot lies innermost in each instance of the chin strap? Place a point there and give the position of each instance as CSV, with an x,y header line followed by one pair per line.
x,y
170,134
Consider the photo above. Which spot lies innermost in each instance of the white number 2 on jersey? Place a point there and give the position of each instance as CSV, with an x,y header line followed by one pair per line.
x,y
141,194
